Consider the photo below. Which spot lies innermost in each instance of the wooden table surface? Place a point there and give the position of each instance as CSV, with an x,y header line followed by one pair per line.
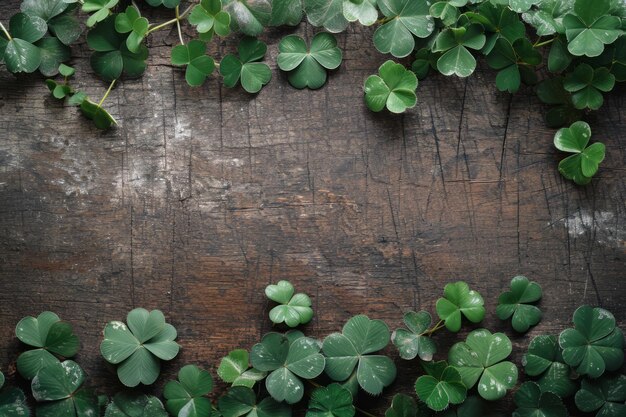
x,y
203,196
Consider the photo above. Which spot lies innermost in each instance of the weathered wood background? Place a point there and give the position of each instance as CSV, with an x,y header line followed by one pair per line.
x,y
201,197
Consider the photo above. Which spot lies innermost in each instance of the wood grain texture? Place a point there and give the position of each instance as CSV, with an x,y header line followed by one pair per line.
x,y
201,197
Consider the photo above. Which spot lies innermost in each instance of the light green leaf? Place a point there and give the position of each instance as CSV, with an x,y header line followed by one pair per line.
x,y
363,11
394,88
406,18
326,13
249,16
415,341
460,300
193,56
441,387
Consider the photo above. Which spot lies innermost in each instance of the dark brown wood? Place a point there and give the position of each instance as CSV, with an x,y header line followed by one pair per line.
x,y
203,196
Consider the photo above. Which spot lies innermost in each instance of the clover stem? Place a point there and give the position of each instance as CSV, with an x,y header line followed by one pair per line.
x,y
177,19
384,20
107,93
6,32
180,33
437,326
540,44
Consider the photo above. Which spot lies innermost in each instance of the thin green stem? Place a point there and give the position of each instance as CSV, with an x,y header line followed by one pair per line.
x,y
540,44
437,326
177,19
384,20
180,32
107,93
6,32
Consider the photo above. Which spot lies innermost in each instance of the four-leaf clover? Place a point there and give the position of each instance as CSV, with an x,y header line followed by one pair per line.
x,y
187,396
441,387
581,166
415,341
253,75
293,309
516,303
460,300
394,87
199,64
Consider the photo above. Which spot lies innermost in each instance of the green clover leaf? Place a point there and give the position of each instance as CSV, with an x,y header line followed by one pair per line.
x,y
235,369
402,406
208,15
581,166
53,53
170,4
455,43
58,388
520,6
45,9
424,61
551,91
559,57
307,66
49,336
460,300
587,84
241,401
415,341
100,9
137,348
199,65
353,348
406,18
517,303
326,13
101,118
363,11
254,75
499,22
249,16
394,87
607,394
60,17
331,401
618,59
480,359
547,16
13,402
594,344
531,402
544,359
511,60
127,404
447,10
19,52
288,358
441,387
136,26
187,396
293,309
473,406
591,27
286,12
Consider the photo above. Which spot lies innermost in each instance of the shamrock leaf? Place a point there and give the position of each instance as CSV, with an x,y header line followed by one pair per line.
x,y
447,10
455,42
516,303
460,300
49,336
594,344
591,27
58,387
551,91
241,401
170,4
20,54
59,16
424,61
94,112
511,60
363,11
415,341
472,407
547,16
331,401
138,347
254,75
326,13
235,369
112,58
293,309
559,57
187,396
402,406
249,16
286,12
544,359
53,53
520,6
441,387
531,402
307,66
480,359
193,55
587,84
131,22
394,87
287,361
208,15
100,9
581,166
500,22
406,18
127,404
607,394
45,9
13,402
353,348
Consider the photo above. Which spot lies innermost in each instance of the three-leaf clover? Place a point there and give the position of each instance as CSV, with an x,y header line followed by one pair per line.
x,y
587,85
249,16
100,9
326,13
544,359
331,401
199,64
187,396
606,394
581,166
235,369
19,52
532,402
516,303
480,359
127,404
136,26
293,309
288,358
363,11
441,387
49,336
138,347
12,401
253,75
460,300
456,42
405,19
394,88
402,406
241,401
594,344
209,16
591,27
415,341
353,348
511,60
307,66
170,4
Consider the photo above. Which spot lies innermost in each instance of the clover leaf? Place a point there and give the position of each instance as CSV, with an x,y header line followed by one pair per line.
x,y
405,19
134,404
516,303
415,341
241,401
12,401
587,85
447,10
249,16
58,388
101,10
49,336
455,43
402,406
19,53
293,309
45,9
531,402
101,118
187,396
499,21
480,359
594,344
511,60
209,16
353,348
136,26
591,27
394,88
326,13
520,6
253,75
170,4
547,16
424,61
607,395
235,369
441,387
460,300
363,11
193,55
544,359
137,348
331,401
53,53
551,91
286,12
307,66
59,16
581,166
287,361
473,406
